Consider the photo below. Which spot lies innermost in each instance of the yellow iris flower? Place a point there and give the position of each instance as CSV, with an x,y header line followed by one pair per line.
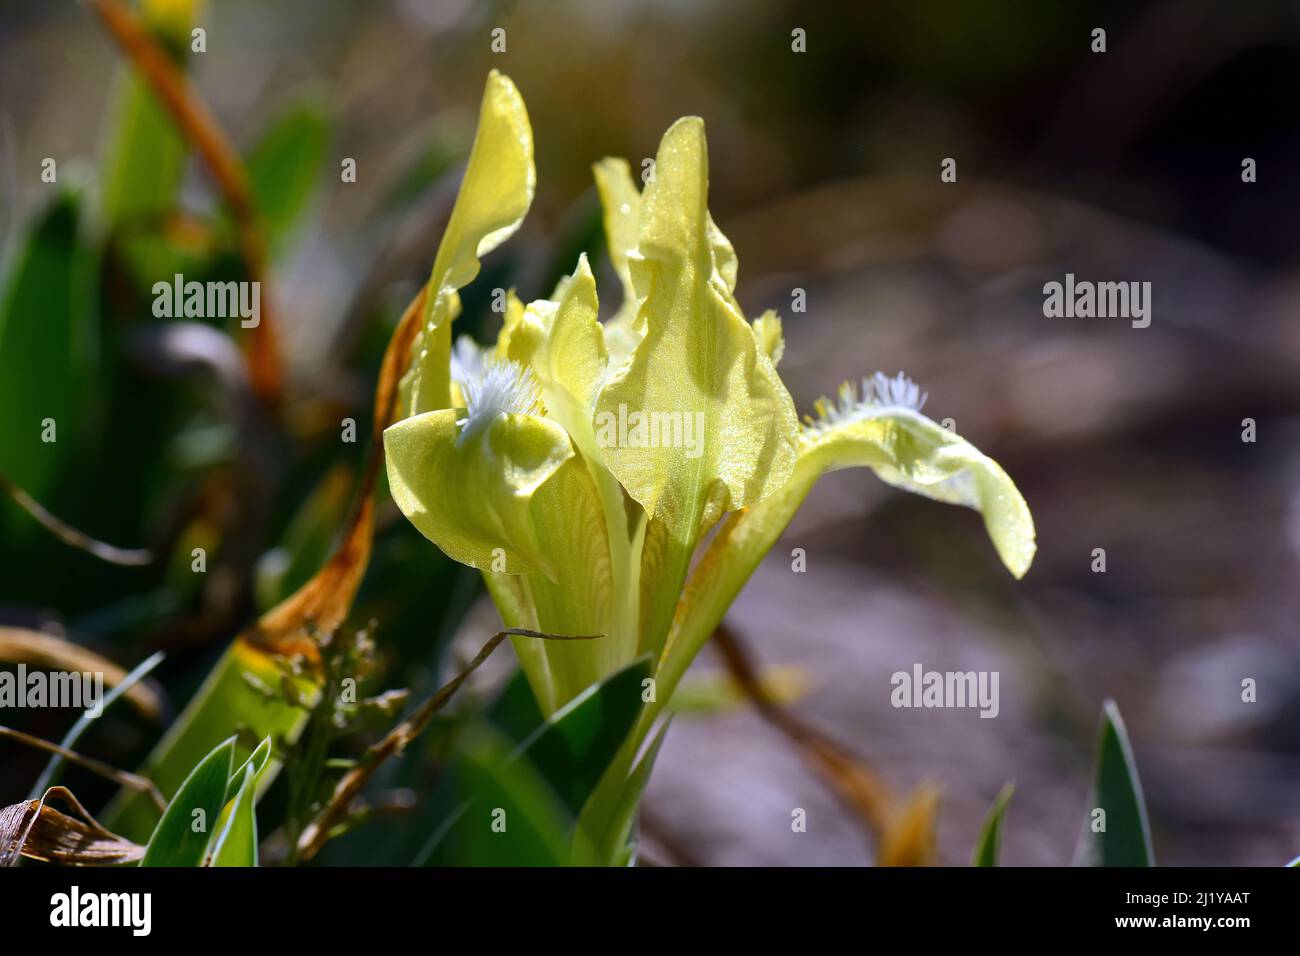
x,y
579,464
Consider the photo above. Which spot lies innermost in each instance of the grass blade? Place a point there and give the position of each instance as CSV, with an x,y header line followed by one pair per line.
x,y
1116,832
990,838
70,739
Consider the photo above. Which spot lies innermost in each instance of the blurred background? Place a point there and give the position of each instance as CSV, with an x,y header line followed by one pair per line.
x,y
1123,166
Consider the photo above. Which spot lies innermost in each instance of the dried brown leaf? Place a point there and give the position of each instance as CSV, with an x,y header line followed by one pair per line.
x,y
39,832
20,645
325,600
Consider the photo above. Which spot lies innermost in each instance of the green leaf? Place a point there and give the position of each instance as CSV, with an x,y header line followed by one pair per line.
x,y
619,848
236,843
183,835
563,760
514,711
573,748
227,828
285,165
1126,839
986,847
256,763
510,815
46,349
144,159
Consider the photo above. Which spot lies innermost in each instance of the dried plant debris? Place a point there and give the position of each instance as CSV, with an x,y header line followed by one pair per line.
x,y
35,830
